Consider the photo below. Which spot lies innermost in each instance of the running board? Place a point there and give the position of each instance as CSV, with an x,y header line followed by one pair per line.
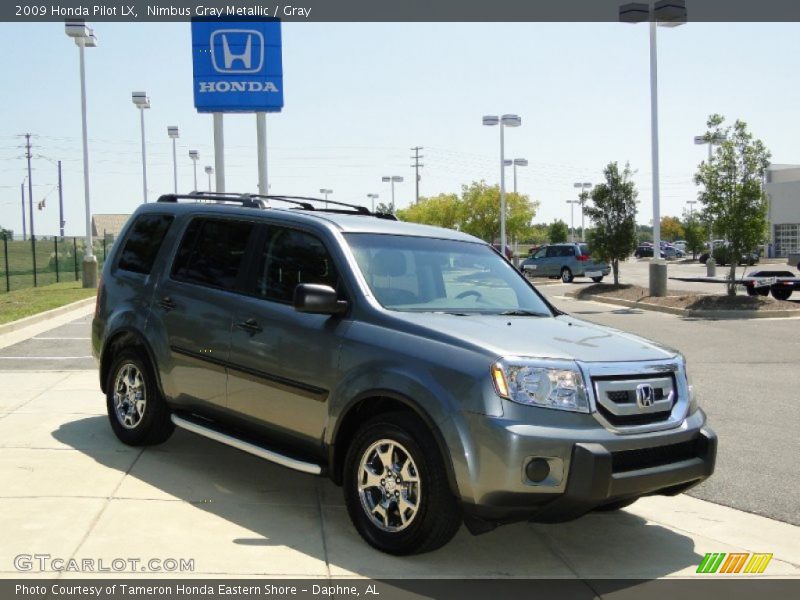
x,y
228,440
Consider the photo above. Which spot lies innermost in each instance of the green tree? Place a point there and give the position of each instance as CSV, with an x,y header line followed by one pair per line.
x,y
557,232
613,213
383,208
733,196
695,235
671,229
536,235
443,210
481,212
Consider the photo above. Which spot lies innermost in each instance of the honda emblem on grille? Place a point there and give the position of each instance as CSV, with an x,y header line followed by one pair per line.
x,y
644,395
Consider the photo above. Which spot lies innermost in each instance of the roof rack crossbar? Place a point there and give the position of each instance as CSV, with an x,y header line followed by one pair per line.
x,y
243,199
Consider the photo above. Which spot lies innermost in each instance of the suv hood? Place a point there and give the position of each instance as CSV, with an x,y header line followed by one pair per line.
x,y
542,337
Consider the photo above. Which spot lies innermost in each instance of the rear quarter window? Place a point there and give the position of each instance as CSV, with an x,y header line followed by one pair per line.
x,y
143,243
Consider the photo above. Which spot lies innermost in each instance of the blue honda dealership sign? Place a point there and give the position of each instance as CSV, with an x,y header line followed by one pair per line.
x,y
237,65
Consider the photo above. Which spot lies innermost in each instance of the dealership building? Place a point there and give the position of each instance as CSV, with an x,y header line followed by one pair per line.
x,y
783,191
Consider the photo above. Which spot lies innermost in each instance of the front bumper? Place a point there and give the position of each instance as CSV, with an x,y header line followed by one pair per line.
x,y
597,468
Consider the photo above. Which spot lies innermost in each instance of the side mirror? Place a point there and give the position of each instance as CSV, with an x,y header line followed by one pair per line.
x,y
318,299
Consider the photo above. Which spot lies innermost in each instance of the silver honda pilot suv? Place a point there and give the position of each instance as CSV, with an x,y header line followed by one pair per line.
x,y
412,365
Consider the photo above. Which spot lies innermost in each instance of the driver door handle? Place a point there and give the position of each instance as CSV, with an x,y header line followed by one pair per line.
x,y
251,326
167,304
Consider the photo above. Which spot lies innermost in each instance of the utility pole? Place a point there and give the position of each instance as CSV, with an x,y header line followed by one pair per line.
x,y
30,201
61,221
417,166
24,227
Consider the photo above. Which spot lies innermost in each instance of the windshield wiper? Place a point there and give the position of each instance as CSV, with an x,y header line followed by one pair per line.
x,y
520,312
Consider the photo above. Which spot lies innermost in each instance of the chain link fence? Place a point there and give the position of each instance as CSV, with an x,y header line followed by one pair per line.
x,y
44,260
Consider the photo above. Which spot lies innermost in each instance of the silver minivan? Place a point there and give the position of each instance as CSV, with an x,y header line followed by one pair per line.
x,y
566,261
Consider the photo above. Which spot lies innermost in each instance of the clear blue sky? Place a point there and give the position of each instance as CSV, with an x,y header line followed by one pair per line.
x,y
358,96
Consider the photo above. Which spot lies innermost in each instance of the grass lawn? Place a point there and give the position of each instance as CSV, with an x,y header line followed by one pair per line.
x,y
17,304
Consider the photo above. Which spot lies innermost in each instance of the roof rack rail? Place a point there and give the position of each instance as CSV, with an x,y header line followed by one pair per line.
x,y
256,201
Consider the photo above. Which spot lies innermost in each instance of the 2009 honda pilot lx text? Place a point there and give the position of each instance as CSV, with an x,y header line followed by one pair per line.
x,y
412,365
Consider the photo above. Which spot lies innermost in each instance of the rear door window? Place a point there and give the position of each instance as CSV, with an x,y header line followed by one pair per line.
x,y
212,252
143,242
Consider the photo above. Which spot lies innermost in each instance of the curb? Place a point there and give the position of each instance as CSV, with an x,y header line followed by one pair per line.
x,y
43,316
694,314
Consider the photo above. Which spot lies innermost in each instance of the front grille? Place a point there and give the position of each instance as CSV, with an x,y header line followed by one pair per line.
x,y
617,399
644,458
631,420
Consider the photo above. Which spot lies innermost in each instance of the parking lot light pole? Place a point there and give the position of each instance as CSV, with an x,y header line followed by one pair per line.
x,y
504,121
172,132
194,155
572,204
583,186
325,192
142,101
373,197
667,13
518,162
209,171
392,179
84,38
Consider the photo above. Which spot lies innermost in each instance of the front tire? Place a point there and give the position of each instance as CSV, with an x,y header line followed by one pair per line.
x,y
597,279
137,412
566,275
396,488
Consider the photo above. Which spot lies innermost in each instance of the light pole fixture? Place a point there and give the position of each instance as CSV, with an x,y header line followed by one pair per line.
x,y
691,204
142,101
209,171
172,132
325,192
84,37
572,204
504,121
195,156
583,186
392,179
517,162
373,197
666,13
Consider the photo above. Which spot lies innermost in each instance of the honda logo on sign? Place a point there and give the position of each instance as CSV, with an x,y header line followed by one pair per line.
x,y
237,50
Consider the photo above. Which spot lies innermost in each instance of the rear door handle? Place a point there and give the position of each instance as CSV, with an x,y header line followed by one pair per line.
x,y
167,304
250,326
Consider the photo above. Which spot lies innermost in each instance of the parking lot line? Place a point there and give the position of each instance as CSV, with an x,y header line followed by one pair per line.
x,y
43,357
60,338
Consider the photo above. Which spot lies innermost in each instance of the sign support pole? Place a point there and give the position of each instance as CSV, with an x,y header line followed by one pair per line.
x,y
219,152
261,140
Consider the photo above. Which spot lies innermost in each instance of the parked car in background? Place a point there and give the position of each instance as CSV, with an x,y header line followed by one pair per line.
x,y
566,261
722,255
509,253
645,251
680,245
670,251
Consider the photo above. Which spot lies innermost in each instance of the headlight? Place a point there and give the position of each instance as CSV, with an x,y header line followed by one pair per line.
x,y
689,386
549,384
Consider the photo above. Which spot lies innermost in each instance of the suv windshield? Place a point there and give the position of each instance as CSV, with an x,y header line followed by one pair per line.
x,y
433,275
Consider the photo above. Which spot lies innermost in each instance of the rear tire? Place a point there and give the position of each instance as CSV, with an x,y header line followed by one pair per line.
x,y
396,488
597,279
137,412
566,275
781,294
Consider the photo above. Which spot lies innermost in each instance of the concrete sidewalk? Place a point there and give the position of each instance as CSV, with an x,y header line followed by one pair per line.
x,y
71,490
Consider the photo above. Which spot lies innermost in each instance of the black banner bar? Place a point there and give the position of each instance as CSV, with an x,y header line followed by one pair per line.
x,y
385,10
